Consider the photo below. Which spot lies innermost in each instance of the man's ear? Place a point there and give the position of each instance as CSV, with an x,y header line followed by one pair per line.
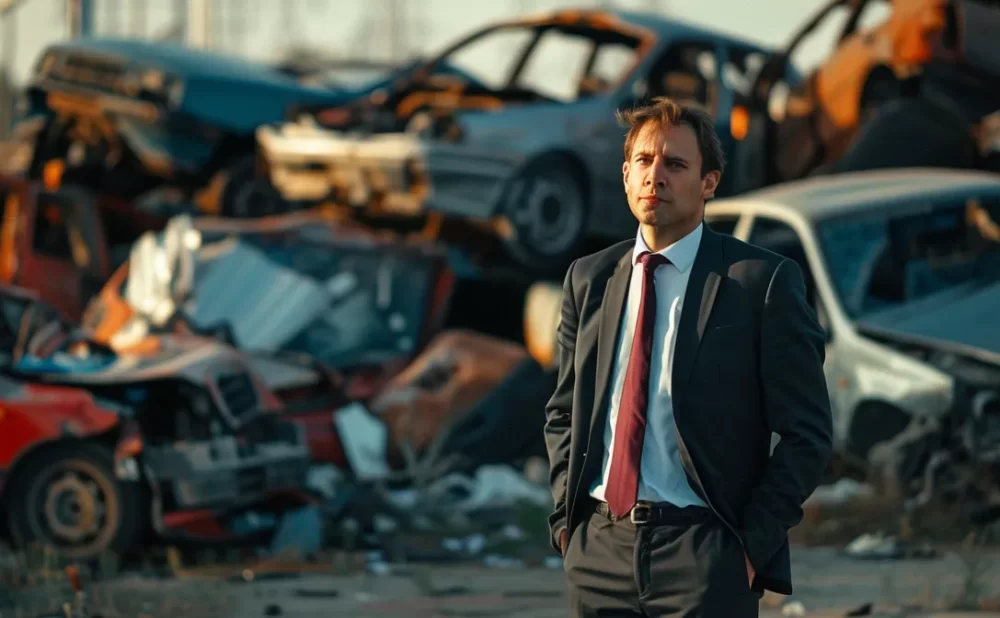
x,y
625,173
710,183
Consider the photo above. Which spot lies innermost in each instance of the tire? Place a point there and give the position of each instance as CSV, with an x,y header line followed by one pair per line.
x,y
248,196
914,132
53,492
548,214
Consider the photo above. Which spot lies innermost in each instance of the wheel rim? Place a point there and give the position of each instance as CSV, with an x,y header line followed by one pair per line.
x,y
547,214
73,508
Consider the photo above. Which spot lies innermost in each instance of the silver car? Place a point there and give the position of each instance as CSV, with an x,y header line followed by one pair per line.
x,y
903,270
521,138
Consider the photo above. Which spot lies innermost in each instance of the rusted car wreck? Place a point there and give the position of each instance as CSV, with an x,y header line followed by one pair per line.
x,y
99,450
507,148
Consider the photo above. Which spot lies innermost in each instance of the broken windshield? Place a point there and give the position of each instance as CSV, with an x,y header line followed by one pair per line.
x,y
562,63
884,259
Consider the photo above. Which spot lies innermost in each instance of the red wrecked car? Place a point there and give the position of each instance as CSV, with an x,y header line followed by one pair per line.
x,y
99,450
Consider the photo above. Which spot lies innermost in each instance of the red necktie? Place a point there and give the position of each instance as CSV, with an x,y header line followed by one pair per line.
x,y
630,427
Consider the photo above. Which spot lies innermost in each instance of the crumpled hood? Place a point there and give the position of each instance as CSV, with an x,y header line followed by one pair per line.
x,y
962,318
225,91
186,61
177,356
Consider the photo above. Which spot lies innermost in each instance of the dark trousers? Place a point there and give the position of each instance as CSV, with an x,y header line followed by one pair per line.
x,y
686,564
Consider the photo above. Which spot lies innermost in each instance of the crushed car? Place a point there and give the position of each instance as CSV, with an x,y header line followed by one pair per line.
x,y
137,119
101,451
901,267
906,84
527,146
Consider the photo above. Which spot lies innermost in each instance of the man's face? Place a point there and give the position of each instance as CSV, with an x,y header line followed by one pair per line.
x,y
663,180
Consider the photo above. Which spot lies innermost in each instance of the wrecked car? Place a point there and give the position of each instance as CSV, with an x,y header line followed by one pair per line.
x,y
64,242
528,156
100,451
905,84
129,118
406,390
344,295
901,267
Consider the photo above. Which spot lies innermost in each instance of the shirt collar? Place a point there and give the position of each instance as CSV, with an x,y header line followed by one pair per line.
x,y
681,254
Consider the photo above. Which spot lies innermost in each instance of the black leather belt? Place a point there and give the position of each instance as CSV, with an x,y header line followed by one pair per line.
x,y
660,514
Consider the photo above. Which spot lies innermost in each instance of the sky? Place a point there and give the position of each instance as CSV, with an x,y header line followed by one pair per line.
x,y
264,29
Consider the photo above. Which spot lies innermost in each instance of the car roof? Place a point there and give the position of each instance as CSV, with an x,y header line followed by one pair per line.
x,y
677,27
822,197
660,24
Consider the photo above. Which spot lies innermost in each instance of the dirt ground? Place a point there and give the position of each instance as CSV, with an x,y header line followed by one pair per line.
x,y
827,583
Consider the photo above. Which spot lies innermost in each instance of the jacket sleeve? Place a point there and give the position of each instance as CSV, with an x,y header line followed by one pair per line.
x,y
559,410
796,405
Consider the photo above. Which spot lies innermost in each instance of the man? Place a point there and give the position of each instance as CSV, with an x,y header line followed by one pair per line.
x,y
680,352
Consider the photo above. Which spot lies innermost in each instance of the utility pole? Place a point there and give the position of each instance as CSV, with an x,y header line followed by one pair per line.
x,y
80,17
198,26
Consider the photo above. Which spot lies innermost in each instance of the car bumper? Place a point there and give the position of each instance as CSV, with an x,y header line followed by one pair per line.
x,y
226,472
396,173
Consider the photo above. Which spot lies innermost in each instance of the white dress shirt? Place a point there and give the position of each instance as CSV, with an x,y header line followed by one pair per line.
x,y
661,474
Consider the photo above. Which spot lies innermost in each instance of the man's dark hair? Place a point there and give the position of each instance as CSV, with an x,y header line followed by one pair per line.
x,y
664,111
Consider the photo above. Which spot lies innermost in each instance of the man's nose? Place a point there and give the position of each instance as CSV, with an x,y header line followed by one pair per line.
x,y
657,178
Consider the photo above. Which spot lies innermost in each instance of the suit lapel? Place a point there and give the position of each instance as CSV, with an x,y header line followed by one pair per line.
x,y
612,308
699,298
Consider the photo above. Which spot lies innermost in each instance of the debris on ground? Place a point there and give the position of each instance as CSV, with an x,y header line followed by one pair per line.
x,y
878,546
793,609
843,491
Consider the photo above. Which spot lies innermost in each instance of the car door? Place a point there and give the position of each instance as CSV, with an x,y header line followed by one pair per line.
x,y
61,248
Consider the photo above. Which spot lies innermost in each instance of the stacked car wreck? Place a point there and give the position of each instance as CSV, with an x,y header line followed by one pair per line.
x,y
201,310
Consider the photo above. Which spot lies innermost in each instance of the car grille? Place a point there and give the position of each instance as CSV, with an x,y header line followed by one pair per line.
x,y
238,394
97,72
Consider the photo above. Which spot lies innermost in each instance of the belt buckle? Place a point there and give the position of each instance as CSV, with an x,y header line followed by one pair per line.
x,y
640,514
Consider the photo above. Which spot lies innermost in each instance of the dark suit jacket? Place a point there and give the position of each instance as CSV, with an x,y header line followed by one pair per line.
x,y
748,361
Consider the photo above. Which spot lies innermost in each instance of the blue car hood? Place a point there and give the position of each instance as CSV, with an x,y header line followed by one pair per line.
x,y
232,93
190,62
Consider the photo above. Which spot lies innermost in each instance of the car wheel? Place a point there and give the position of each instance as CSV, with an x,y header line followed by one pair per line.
x,y
547,211
69,500
248,196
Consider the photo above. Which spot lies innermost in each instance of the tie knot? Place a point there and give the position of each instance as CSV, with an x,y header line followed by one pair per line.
x,y
650,261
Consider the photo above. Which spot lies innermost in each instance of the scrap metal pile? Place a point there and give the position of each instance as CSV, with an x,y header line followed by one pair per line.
x,y
223,280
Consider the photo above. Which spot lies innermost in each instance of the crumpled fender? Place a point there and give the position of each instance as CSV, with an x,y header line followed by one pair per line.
x,y
32,415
